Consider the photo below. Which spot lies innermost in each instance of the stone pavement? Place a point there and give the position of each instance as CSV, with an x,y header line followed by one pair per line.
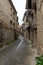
x,y
31,58
19,53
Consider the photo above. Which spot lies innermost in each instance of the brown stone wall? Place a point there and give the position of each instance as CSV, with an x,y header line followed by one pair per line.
x,y
8,34
8,18
40,26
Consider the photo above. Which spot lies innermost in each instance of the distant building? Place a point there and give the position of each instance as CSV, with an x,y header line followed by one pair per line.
x,y
8,20
30,21
26,25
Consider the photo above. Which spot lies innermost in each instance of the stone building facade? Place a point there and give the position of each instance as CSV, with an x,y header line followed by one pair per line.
x,y
31,24
26,25
8,20
36,25
40,26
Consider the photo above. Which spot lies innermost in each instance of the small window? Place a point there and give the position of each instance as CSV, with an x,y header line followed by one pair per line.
x,y
32,15
28,4
26,20
17,19
11,22
0,24
34,6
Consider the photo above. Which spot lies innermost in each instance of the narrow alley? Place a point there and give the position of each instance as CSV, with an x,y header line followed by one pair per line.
x,y
21,32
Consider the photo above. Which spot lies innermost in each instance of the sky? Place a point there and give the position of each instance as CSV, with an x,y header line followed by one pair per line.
x,y
20,7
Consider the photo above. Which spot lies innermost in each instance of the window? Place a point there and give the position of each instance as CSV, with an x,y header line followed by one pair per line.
x,y
17,19
26,20
34,6
32,15
28,4
10,22
0,25
13,24
11,11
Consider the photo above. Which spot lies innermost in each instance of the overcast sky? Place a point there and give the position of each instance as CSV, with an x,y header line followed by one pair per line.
x,y
20,7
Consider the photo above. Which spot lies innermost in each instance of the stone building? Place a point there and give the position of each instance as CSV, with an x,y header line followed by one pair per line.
x,y
36,26
8,20
40,26
26,26
30,19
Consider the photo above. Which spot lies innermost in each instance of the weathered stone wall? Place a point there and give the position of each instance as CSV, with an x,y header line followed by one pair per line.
x,y
7,10
8,17
40,25
30,18
8,34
